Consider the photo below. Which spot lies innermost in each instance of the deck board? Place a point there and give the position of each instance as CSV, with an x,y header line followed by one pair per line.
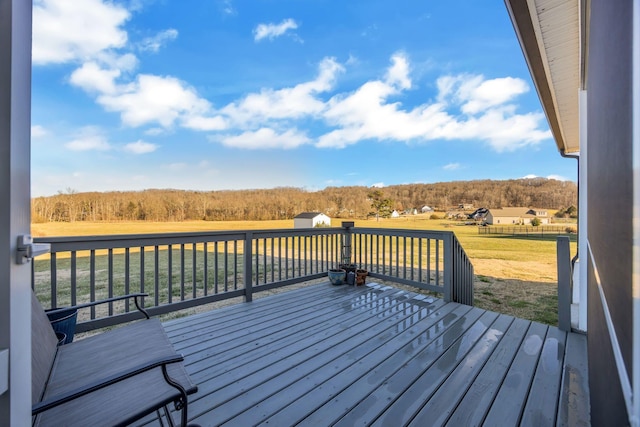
x,y
375,355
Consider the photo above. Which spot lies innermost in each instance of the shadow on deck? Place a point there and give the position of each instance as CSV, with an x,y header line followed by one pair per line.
x,y
376,355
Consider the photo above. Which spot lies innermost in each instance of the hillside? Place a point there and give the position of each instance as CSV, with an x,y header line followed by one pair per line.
x,y
285,203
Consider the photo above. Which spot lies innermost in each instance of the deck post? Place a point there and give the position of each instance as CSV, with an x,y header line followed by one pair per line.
x,y
248,267
345,256
564,283
448,266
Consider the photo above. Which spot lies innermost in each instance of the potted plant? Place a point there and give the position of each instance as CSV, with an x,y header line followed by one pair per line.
x,y
337,276
361,275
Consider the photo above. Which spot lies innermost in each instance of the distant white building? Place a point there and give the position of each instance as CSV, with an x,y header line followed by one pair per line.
x,y
311,220
426,209
395,214
509,216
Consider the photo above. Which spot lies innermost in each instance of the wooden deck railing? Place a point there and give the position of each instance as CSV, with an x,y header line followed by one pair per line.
x,y
184,270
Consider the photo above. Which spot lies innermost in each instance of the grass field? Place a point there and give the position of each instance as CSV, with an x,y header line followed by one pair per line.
x,y
514,275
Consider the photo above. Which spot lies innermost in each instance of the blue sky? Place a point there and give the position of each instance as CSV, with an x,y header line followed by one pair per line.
x,y
235,94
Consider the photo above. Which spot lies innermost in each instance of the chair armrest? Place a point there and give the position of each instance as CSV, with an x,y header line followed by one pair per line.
x,y
105,301
110,380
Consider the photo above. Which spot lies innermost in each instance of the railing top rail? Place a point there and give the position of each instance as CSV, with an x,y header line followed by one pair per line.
x,y
68,243
286,232
434,234
142,236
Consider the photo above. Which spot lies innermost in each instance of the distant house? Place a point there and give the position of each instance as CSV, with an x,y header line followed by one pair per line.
x,y
510,216
426,209
310,220
465,206
395,214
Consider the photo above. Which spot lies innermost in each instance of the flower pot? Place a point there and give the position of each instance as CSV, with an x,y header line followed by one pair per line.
x,y
361,276
337,276
64,321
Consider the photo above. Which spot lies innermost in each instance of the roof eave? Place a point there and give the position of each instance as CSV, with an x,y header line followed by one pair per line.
x,y
537,54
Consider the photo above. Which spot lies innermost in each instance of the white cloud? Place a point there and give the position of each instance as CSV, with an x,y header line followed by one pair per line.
x,y
378,185
38,131
558,177
93,78
552,176
140,147
467,108
227,7
153,44
89,139
265,138
272,31
398,73
160,100
288,103
452,166
477,94
66,30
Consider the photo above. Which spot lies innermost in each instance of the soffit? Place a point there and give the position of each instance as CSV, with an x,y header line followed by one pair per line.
x,y
549,33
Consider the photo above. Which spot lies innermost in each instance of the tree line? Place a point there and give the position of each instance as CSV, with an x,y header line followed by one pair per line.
x,y
287,202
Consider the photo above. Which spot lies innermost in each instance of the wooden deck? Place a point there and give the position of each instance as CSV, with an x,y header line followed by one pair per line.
x,y
374,355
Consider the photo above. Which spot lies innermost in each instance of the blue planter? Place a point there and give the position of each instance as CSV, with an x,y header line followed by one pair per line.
x,y
337,276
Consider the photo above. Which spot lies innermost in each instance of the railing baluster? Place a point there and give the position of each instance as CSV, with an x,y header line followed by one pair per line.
x,y
226,266
54,280
299,258
156,275
215,267
411,263
264,260
304,256
205,272
429,261
193,271
273,267
141,273
110,279
92,280
170,272
384,257
127,277
316,257
182,272
235,264
248,286
286,258
438,263
74,279
420,243
279,258
404,257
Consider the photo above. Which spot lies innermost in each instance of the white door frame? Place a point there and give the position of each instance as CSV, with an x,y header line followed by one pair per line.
x,y
15,216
